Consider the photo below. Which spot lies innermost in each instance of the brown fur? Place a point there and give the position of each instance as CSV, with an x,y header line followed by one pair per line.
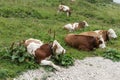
x,y
104,34
43,52
80,25
82,42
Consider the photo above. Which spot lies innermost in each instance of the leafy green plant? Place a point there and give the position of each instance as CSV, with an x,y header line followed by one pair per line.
x,y
64,60
3,73
112,54
17,53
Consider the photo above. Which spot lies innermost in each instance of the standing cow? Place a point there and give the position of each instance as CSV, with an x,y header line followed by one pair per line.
x,y
64,8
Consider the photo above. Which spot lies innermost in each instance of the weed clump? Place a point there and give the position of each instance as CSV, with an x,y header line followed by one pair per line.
x,y
112,54
64,60
17,54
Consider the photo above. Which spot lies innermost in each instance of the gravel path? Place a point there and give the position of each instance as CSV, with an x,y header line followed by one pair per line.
x,y
92,68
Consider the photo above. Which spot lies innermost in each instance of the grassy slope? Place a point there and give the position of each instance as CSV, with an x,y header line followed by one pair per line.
x,y
13,27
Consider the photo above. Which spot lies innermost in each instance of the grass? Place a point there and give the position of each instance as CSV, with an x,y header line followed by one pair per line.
x,y
23,19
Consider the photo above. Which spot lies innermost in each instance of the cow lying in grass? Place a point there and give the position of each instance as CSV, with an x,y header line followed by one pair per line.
x,y
43,52
64,8
83,42
76,26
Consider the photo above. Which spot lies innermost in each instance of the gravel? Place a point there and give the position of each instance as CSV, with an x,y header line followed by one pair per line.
x,y
91,68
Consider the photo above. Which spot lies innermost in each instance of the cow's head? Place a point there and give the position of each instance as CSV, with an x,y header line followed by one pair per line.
x,y
86,24
83,24
111,33
57,48
60,7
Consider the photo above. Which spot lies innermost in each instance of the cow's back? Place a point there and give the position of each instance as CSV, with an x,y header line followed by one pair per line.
x,y
79,41
90,33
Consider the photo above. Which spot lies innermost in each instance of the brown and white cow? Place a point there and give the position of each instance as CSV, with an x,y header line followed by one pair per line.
x,y
83,42
75,26
64,8
107,34
42,52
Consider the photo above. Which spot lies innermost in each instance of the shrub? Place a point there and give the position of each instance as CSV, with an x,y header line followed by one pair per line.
x,y
112,54
3,73
64,60
17,53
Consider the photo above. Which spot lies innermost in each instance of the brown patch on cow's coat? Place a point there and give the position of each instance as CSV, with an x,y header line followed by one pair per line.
x,y
104,34
82,42
43,52
80,25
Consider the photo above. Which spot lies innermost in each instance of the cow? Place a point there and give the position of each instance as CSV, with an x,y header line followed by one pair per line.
x,y
75,26
83,42
43,52
107,34
64,8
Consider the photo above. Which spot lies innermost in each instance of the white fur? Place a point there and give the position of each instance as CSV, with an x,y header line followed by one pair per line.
x,y
69,27
103,42
39,41
64,8
75,25
31,48
111,33
86,24
50,63
59,49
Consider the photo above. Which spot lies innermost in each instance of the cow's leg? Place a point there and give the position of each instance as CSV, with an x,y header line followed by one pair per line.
x,y
58,11
68,14
50,63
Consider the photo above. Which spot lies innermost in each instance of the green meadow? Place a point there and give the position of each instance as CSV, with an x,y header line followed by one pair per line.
x,y
23,19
